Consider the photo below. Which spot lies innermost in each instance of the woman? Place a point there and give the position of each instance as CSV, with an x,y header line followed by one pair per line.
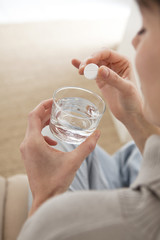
x,y
131,213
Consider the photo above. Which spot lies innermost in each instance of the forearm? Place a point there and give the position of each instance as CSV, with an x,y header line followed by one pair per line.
x,y
140,129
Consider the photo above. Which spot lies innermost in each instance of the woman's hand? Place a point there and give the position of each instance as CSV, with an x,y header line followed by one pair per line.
x,y
116,82
50,172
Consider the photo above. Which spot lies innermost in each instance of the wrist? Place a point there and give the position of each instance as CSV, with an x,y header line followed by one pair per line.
x,y
39,200
35,205
140,129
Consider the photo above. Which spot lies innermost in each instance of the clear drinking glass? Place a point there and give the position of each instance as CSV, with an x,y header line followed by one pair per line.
x,y
76,113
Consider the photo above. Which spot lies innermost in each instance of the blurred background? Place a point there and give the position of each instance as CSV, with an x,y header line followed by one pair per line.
x,y
38,39
43,10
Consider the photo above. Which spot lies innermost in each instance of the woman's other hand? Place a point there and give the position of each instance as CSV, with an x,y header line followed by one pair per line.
x,y
50,172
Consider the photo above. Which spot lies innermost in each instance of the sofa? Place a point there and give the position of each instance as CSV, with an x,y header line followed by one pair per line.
x,y
13,205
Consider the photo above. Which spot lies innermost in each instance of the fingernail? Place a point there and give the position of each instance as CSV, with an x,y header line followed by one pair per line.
x,y
105,72
81,69
81,66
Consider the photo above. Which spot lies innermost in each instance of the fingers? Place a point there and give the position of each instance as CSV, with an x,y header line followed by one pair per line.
x,y
41,109
109,77
83,150
39,117
106,57
76,63
50,141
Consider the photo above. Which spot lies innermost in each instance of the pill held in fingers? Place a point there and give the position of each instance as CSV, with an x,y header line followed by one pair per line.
x,y
91,71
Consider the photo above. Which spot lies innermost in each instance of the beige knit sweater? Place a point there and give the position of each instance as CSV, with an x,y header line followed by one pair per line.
x,y
132,213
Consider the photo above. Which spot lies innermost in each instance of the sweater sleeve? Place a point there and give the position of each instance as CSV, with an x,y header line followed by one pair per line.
x,y
141,205
149,175
83,215
125,214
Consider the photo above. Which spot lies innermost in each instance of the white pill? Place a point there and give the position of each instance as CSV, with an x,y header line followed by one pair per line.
x,y
91,71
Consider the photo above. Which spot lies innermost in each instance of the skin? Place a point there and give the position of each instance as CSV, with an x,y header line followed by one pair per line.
x,y
148,62
50,172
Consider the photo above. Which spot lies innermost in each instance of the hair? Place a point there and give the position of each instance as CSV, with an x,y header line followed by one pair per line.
x,y
148,3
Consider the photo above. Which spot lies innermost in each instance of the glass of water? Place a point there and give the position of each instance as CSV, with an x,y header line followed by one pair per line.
x,y
76,113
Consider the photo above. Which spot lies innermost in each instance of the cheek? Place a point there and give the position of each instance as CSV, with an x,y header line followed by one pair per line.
x,y
144,64
148,68
144,71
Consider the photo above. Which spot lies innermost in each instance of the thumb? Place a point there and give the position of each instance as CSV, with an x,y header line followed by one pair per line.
x,y
83,150
109,77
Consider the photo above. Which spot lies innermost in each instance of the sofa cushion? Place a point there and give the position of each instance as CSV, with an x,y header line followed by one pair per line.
x,y
16,206
2,202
